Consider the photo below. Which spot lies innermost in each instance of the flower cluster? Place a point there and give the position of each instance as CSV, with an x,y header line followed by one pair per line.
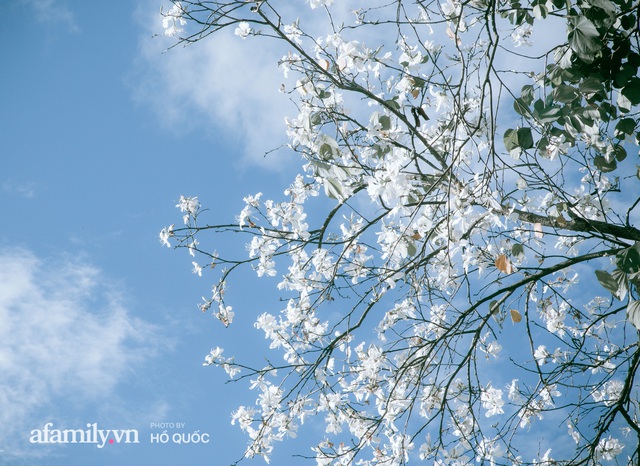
x,y
172,20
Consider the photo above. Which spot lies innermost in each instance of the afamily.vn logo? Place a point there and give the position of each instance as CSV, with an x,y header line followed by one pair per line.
x,y
99,437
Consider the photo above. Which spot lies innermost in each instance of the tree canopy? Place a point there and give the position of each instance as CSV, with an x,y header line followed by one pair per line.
x,y
458,260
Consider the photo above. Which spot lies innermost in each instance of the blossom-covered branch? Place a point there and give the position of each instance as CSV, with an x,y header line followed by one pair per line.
x,y
458,259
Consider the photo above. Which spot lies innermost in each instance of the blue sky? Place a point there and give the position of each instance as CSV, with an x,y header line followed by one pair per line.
x,y
103,130
102,133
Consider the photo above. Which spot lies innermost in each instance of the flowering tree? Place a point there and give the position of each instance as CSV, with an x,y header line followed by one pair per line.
x,y
458,259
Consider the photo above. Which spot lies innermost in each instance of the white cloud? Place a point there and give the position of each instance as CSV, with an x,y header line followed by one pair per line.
x,y
24,189
225,82
53,12
64,335
222,81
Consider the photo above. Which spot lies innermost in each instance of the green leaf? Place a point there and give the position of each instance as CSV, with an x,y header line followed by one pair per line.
x,y
623,75
527,94
620,152
584,38
381,151
623,284
332,188
517,250
625,126
419,82
634,278
392,104
624,104
385,122
548,100
411,248
591,86
540,11
628,21
632,90
549,114
607,281
565,93
602,13
510,139
518,138
521,107
543,142
609,112
327,151
315,118
538,105
628,260
588,113
633,313
323,168
605,5
573,125
323,94
525,138
604,165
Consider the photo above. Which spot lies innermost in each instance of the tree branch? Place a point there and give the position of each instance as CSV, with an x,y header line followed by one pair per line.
x,y
582,225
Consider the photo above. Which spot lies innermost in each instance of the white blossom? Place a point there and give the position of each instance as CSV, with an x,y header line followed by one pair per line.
x,y
190,207
490,450
610,392
243,30
492,401
172,20
293,33
575,435
608,448
541,354
522,35
165,234
556,145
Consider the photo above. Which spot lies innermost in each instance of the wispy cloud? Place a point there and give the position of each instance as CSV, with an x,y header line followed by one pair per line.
x,y
54,12
223,82
65,334
24,189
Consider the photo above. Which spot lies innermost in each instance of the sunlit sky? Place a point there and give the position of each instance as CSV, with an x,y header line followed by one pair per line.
x,y
102,133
